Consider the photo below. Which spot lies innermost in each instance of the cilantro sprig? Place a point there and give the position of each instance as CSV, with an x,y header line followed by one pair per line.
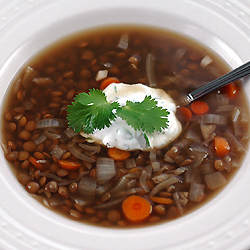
x,y
92,111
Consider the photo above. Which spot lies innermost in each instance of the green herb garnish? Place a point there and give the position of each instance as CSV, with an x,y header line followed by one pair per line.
x,y
92,111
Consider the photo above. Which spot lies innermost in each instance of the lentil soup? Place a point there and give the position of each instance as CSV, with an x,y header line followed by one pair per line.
x,y
84,180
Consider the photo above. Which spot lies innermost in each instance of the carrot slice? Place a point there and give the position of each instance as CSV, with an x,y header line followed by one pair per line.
x,y
136,208
199,107
221,146
118,154
185,113
105,83
36,164
161,200
69,165
230,89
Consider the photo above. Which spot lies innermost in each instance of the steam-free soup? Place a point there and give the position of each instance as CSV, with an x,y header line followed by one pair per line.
x,y
111,187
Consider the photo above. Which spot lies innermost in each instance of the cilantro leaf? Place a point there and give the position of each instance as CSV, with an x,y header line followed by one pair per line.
x,y
91,111
145,115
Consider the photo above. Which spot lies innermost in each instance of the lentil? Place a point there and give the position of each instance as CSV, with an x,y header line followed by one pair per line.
x,y
32,187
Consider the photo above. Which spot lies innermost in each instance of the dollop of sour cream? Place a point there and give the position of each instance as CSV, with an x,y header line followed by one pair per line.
x,y
123,136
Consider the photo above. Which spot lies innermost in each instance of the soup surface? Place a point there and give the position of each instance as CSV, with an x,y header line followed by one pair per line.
x,y
104,186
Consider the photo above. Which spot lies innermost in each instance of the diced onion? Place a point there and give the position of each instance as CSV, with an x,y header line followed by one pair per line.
x,y
130,163
193,175
196,192
101,74
70,133
51,123
82,200
234,142
150,70
110,203
94,148
28,76
212,119
143,181
128,192
205,61
180,170
57,152
50,176
179,54
160,178
105,170
215,180
163,185
79,155
207,130
123,43
100,190
177,202
87,186
50,134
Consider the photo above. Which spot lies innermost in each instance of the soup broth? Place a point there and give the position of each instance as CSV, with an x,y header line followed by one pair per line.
x,y
62,169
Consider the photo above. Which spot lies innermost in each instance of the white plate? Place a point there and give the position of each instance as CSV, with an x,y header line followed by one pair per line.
x,y
26,26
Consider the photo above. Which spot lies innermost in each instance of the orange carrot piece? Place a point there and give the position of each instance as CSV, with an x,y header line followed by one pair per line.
x,y
185,113
199,107
230,89
105,83
221,146
69,165
118,154
136,208
161,200
36,164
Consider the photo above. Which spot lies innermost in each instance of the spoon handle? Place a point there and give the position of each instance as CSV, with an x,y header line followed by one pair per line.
x,y
232,76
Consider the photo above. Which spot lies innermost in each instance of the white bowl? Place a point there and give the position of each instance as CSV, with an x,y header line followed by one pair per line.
x,y
27,26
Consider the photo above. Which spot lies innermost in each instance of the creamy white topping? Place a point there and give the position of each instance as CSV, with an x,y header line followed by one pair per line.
x,y
123,136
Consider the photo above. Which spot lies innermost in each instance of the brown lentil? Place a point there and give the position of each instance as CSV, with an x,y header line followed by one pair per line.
x,y
63,191
62,172
122,223
79,207
8,116
12,145
32,187
42,181
24,179
26,164
30,126
23,155
38,156
75,214
153,219
172,213
12,127
12,156
52,186
20,95
25,135
94,219
73,187
90,210
219,165
29,146
160,209
28,105
113,216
